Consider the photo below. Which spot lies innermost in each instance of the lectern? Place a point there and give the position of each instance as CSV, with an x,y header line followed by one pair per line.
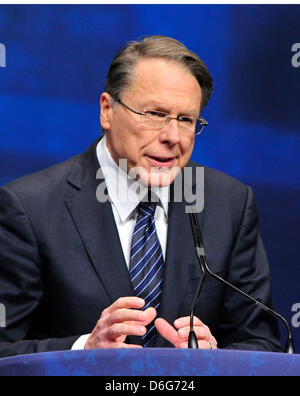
x,y
152,362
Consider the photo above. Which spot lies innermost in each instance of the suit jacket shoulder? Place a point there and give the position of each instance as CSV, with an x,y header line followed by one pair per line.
x,y
77,170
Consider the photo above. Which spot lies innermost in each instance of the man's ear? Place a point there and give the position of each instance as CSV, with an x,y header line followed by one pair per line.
x,y
106,108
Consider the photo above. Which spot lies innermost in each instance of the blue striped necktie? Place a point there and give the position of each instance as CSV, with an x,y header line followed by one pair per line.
x,y
147,263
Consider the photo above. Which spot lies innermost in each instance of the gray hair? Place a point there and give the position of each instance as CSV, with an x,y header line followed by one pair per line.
x,y
121,71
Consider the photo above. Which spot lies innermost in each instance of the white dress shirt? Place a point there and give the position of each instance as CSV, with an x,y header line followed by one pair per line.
x,y
125,195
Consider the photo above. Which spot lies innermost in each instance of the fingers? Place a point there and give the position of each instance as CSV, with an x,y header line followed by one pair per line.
x,y
184,322
167,331
121,319
148,316
179,338
201,330
125,302
118,330
183,326
128,322
124,315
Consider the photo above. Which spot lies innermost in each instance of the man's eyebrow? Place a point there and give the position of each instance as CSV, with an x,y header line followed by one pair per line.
x,y
163,109
157,107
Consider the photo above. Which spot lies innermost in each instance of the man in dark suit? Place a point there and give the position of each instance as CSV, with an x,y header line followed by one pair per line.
x,y
79,271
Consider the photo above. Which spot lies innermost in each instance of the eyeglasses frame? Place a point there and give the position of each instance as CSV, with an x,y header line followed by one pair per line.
x,y
204,123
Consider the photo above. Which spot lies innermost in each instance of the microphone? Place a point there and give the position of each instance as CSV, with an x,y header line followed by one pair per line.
x,y
193,343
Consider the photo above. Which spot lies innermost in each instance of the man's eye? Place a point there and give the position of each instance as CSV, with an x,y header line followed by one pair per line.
x,y
156,114
187,120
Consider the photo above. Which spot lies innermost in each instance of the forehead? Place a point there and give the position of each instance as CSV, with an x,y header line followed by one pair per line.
x,y
165,82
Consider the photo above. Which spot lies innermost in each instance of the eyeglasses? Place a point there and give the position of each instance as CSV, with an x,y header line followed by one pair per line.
x,y
158,120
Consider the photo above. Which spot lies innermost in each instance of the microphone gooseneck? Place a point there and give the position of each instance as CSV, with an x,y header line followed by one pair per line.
x,y
193,344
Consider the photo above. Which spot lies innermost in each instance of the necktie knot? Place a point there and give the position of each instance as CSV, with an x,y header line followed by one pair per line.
x,y
147,208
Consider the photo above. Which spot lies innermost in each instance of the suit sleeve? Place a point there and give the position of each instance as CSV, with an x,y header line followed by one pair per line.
x,y
245,325
21,281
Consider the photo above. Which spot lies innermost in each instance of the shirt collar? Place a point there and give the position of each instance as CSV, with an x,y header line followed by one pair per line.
x,y
125,193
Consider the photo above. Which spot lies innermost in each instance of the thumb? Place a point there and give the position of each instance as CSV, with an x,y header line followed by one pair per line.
x,y
150,315
167,331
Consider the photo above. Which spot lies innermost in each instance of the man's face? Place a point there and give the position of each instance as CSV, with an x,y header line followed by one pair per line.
x,y
162,86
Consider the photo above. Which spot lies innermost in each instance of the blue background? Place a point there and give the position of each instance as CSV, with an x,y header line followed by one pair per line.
x,y
57,60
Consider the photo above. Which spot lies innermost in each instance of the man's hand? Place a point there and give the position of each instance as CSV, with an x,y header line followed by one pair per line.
x,y
121,319
179,338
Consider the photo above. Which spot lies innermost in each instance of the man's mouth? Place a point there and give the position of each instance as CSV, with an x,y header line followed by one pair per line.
x,y
160,162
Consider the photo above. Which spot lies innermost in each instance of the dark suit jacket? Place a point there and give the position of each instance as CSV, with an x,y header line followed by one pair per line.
x,y
61,262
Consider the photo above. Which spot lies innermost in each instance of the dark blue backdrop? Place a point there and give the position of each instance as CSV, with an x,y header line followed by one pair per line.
x,y
56,61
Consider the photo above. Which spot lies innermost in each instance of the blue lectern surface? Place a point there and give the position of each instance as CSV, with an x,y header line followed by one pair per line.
x,y
151,362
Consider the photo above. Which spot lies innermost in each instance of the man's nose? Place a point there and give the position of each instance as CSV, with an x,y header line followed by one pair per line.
x,y
170,132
